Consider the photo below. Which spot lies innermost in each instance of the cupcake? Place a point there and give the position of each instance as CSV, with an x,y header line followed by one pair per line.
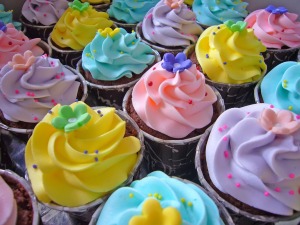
x,y
99,5
127,13
279,31
169,27
74,30
26,96
210,13
79,151
249,160
159,199
40,16
7,17
13,41
280,87
173,106
229,64
112,63
17,202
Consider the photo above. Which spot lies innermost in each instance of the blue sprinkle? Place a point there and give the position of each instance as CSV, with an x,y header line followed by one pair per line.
x,y
96,159
207,56
50,112
260,61
76,100
34,166
85,152
214,33
97,151
224,63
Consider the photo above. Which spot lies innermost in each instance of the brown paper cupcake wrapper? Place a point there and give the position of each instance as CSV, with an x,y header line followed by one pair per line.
x,y
226,218
36,31
174,157
273,57
129,27
109,95
101,7
257,93
238,215
85,212
161,49
23,182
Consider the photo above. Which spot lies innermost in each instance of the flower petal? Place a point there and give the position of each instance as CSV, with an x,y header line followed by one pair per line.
x,y
80,109
59,122
66,112
284,116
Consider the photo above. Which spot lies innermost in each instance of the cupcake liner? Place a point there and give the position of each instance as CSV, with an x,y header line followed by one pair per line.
x,y
257,93
273,57
161,49
85,212
226,218
43,45
68,57
109,95
174,157
103,7
14,176
234,95
238,215
36,31
129,27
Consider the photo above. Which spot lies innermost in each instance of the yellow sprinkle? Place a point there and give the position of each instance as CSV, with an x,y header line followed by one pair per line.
x,y
133,43
290,107
121,52
182,200
149,195
190,204
285,81
131,195
87,54
285,85
94,50
159,197
155,195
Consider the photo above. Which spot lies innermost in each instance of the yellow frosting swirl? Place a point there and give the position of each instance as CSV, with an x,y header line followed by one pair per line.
x,y
74,168
229,56
75,29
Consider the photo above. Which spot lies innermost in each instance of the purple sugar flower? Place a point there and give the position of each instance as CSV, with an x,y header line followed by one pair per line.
x,y
176,63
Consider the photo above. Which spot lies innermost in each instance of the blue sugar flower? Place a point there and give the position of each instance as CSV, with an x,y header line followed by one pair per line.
x,y
177,63
2,26
272,9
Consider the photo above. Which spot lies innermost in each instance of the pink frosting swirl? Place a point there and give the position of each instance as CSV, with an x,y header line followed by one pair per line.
x,y
27,96
275,30
174,104
13,41
45,12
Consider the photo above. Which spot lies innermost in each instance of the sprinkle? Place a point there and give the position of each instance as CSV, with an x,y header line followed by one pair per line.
x,y
133,43
149,16
292,175
277,189
36,100
52,100
214,33
85,152
51,62
238,185
190,101
121,52
34,166
62,73
76,100
285,81
17,91
298,117
150,83
182,200
45,15
284,85
229,176
291,192
218,27
149,195
99,111
205,93
35,118
96,151
225,63
220,129
225,126
299,191
225,138
226,154
50,112
271,106
155,195
94,50
57,77
290,107
153,32
190,204
154,68
159,197
207,56
10,43
96,159
260,61
266,193
131,195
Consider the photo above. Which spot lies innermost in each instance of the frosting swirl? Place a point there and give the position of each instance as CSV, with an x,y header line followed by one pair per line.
x,y
253,154
171,27
224,57
179,98
130,11
214,12
45,12
26,95
62,165
13,41
78,25
8,212
7,17
275,30
158,199
116,47
281,87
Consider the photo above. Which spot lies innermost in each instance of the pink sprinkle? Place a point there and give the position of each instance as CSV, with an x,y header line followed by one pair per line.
x,y
62,73
17,91
229,176
266,193
28,94
225,138
238,185
291,192
194,19
190,101
153,32
35,118
298,117
37,9
226,154
52,100
205,93
248,113
299,191
57,77
54,103
51,62
45,15
149,16
225,127
36,100
277,189
271,106
220,129
292,175
154,68
150,83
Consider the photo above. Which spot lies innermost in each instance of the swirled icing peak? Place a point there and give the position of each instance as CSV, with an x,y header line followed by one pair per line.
x,y
281,87
275,27
130,11
78,167
114,54
214,12
78,25
27,96
161,200
13,42
7,17
45,12
179,98
254,157
224,57
171,27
